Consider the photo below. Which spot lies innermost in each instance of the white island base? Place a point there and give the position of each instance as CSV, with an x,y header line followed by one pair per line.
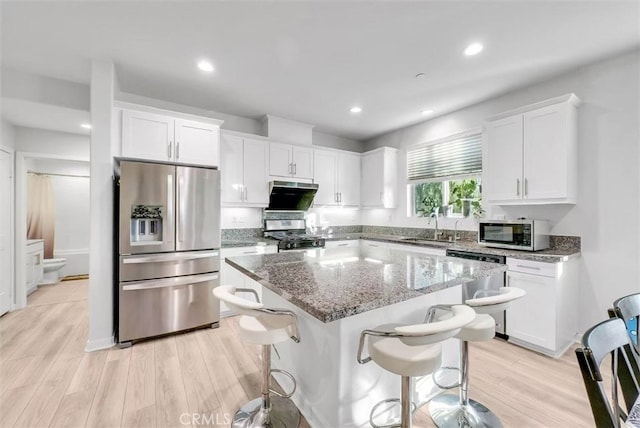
x,y
333,389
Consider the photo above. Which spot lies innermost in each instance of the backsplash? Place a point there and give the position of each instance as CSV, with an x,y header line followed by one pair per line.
x,y
569,243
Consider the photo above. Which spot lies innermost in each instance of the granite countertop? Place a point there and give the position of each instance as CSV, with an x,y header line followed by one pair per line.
x,y
554,255
335,283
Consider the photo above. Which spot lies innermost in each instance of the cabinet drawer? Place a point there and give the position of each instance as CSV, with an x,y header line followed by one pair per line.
x,y
533,268
342,244
248,251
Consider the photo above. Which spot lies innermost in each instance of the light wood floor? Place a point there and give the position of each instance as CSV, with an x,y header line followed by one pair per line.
x,y
46,378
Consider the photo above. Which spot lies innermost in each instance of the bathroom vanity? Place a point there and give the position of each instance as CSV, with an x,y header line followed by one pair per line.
x,y
34,269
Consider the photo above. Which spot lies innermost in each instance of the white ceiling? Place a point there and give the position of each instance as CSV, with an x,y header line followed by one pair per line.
x,y
312,61
44,116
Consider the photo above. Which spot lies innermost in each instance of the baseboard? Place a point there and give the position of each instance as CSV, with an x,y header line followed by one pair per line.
x,y
99,344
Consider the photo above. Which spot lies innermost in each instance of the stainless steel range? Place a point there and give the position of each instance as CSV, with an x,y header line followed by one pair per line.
x,y
291,234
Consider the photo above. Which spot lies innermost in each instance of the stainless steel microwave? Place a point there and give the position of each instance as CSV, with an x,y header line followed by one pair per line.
x,y
528,235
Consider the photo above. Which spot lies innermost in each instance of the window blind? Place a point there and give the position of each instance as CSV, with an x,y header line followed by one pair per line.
x,y
448,158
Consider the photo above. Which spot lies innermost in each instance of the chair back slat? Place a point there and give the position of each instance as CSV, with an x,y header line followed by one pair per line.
x,y
608,337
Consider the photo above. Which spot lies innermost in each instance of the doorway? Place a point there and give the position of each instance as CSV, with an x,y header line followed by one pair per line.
x,y
6,230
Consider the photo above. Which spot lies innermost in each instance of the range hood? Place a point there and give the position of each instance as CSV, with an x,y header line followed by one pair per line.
x,y
291,196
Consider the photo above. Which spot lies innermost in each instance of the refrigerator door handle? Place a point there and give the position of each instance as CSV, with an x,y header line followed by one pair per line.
x,y
162,258
170,204
180,210
169,282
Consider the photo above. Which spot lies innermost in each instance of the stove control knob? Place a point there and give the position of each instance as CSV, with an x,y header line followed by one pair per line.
x,y
315,243
288,245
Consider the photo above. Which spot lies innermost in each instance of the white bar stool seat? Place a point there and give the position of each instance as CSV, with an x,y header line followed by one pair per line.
x,y
449,411
266,327
409,351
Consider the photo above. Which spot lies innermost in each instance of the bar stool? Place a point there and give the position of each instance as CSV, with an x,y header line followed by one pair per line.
x,y
266,327
409,351
448,410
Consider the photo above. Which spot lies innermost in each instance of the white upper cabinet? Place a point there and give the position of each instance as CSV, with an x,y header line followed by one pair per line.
x,y
286,160
244,171
197,143
338,177
147,135
380,178
325,167
152,136
531,157
349,179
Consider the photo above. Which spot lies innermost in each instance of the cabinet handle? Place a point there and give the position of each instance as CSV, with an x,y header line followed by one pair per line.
x,y
169,150
526,187
373,245
342,245
528,267
241,189
517,187
340,197
250,252
246,192
177,150
295,168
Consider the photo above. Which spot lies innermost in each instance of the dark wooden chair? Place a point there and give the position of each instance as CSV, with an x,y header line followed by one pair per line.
x,y
628,309
609,337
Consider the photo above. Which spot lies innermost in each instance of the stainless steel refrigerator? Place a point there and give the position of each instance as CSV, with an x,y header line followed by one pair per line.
x,y
168,227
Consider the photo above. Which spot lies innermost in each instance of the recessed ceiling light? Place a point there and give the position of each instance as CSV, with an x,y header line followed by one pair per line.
x,y
355,109
85,125
426,112
205,66
473,49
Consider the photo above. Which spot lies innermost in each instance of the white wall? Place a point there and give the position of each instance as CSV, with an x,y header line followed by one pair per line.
x,y
51,142
606,216
7,134
328,140
70,184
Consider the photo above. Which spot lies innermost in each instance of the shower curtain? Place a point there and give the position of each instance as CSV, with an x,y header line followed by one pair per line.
x,y
41,221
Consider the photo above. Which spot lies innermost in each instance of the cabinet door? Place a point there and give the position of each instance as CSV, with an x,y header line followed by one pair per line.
x,y
280,159
197,143
147,136
349,179
532,319
231,167
502,163
324,165
303,162
372,175
546,153
256,182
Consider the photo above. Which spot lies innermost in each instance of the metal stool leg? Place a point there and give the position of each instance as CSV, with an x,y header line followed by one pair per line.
x,y
449,411
407,407
267,411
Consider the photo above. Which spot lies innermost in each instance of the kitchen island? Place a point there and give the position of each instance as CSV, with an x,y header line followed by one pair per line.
x,y
336,293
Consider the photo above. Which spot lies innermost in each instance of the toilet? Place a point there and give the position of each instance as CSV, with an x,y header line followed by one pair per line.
x,y
51,268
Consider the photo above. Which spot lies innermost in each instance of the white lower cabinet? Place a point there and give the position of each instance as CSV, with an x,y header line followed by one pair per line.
x,y
418,249
231,276
545,319
34,265
347,243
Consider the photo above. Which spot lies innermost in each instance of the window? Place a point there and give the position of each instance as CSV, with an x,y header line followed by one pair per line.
x,y
445,175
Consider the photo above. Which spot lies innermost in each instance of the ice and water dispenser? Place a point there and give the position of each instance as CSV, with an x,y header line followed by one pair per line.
x,y
146,224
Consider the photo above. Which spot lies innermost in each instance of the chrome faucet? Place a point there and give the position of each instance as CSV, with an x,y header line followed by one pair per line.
x,y
434,215
456,237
